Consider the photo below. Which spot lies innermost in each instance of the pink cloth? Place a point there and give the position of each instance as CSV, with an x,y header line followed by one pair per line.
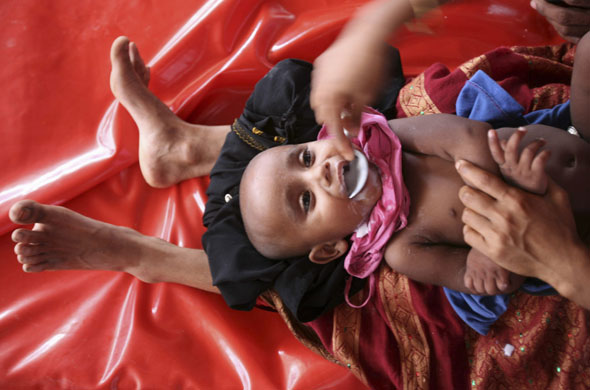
x,y
382,148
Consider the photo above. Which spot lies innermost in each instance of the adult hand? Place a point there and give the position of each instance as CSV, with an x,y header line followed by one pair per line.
x,y
346,77
571,20
528,234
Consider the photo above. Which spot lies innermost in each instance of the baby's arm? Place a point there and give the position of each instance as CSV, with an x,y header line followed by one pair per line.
x,y
449,137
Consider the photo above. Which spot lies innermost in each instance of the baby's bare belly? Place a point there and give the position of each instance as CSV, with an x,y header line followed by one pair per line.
x,y
435,208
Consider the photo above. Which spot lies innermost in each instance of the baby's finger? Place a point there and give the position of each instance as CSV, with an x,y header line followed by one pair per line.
x,y
495,147
540,160
511,150
530,151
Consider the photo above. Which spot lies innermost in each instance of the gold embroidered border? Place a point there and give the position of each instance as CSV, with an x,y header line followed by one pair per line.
x,y
346,336
475,64
414,99
405,325
303,333
549,96
247,138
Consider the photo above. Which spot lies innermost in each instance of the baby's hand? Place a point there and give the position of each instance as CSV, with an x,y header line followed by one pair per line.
x,y
484,277
526,170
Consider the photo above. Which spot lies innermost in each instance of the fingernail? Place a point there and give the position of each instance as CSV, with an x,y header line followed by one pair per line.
x,y
521,128
459,164
490,133
533,5
463,194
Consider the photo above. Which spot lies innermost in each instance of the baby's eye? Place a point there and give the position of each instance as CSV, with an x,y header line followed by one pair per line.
x,y
306,200
306,157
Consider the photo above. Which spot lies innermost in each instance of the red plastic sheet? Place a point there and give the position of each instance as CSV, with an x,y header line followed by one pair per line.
x,y
64,141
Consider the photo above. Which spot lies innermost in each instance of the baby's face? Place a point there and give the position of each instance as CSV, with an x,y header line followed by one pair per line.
x,y
294,197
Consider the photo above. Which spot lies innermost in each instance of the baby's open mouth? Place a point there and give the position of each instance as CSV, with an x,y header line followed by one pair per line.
x,y
356,174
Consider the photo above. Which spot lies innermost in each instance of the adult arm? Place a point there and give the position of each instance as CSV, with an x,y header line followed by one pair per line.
x,y
528,234
571,20
347,76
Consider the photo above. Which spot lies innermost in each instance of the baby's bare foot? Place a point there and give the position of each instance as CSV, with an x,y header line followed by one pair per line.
x,y
484,277
65,240
170,149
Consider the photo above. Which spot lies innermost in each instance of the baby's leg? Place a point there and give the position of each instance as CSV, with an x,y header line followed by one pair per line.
x,y
484,277
170,149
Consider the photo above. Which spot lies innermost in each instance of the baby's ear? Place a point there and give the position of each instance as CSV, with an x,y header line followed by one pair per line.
x,y
328,251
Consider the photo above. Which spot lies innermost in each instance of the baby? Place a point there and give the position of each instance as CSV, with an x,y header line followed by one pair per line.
x,y
294,198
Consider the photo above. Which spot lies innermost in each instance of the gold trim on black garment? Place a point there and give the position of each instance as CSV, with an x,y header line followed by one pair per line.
x,y
245,136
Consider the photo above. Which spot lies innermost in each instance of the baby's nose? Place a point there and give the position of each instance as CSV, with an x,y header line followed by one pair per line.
x,y
322,174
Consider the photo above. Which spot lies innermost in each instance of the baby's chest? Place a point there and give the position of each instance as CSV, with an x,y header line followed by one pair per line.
x,y
435,208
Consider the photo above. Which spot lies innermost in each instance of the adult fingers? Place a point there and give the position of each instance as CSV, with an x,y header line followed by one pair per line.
x,y
344,146
571,22
328,112
559,197
484,181
578,3
351,119
476,221
474,238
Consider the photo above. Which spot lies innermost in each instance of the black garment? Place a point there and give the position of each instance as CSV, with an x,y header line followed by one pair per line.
x,y
276,113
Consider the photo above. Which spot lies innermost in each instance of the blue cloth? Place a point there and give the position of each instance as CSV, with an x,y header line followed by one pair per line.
x,y
485,100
